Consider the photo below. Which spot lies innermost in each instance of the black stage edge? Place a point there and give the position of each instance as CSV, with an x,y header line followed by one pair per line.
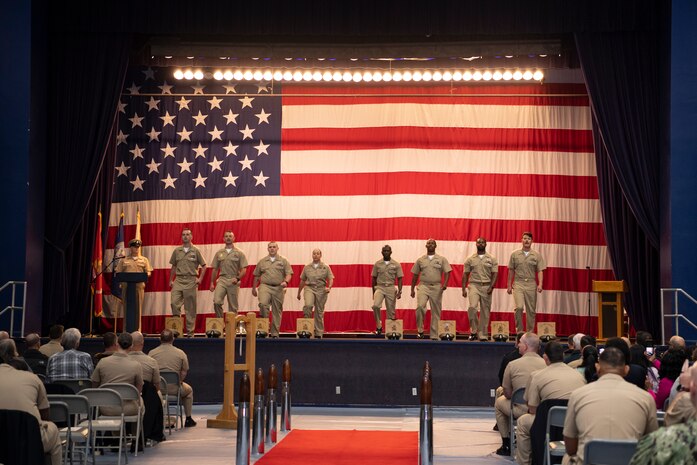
x,y
368,372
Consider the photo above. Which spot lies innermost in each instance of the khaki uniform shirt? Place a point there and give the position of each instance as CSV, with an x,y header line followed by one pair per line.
x,y
22,390
556,381
273,272
171,358
131,264
387,273
118,368
518,372
481,269
609,408
525,268
432,270
186,263
230,263
51,347
316,278
151,370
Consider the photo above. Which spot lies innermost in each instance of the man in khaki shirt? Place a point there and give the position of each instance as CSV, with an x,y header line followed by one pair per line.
x,y
610,408
522,268
384,273
557,381
53,346
23,390
173,359
481,271
150,367
516,376
432,271
184,279
232,264
135,263
120,368
274,273
317,279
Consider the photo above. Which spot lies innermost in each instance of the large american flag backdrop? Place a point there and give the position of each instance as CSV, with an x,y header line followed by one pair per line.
x,y
349,168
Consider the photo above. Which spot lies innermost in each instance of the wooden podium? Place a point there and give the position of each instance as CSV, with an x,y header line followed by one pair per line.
x,y
610,308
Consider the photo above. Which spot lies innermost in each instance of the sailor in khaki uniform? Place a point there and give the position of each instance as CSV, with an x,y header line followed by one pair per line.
x,y
384,273
609,408
557,381
516,376
481,271
184,279
522,268
274,273
432,271
135,263
232,264
317,279
120,368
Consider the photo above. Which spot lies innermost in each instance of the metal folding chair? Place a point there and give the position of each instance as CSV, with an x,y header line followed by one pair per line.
x,y
555,417
518,397
129,392
58,413
609,451
100,398
172,379
165,404
80,423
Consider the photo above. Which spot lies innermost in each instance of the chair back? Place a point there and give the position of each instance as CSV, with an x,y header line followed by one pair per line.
x,y
556,417
77,404
518,397
171,377
20,441
100,397
609,451
127,391
58,412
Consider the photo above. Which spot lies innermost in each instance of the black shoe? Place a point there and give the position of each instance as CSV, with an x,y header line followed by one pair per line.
x,y
503,450
189,422
420,336
496,427
473,337
378,331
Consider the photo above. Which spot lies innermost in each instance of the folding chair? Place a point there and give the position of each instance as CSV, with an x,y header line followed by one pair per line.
x,y
555,417
80,423
76,385
172,379
58,413
609,451
130,392
165,403
518,397
20,441
99,398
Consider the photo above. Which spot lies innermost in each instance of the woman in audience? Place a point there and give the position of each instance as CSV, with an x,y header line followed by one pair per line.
x,y
671,366
589,355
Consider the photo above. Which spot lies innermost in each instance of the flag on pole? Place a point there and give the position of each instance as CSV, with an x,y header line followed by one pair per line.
x,y
118,253
137,236
97,276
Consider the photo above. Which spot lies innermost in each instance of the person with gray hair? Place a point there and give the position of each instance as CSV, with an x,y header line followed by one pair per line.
x,y
71,363
24,391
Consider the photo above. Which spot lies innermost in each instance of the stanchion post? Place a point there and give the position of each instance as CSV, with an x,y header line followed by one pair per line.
x,y
285,393
242,452
258,420
271,407
426,418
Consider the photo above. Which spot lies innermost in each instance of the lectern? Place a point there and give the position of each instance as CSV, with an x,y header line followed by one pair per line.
x,y
131,307
610,308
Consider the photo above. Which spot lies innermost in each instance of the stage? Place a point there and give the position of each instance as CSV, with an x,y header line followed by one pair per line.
x,y
368,371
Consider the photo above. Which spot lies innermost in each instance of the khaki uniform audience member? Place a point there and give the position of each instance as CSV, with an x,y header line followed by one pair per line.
x,y
174,359
70,363
135,263
184,279
481,271
150,367
317,280
432,271
557,381
120,368
53,346
609,408
522,268
516,376
232,264
274,273
383,276
111,345
22,390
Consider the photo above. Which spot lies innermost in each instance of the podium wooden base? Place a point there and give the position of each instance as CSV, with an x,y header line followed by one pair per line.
x,y
221,424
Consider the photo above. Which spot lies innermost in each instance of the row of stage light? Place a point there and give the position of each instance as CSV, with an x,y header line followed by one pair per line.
x,y
316,75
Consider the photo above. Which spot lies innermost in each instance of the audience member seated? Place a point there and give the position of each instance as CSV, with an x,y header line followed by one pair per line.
x,y
120,368
671,366
585,341
635,374
574,351
557,381
4,335
70,363
153,423
588,369
681,409
111,345
24,391
610,408
674,444
54,345
516,376
174,359
32,355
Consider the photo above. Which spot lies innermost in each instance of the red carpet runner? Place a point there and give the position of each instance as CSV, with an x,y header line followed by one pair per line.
x,y
328,447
